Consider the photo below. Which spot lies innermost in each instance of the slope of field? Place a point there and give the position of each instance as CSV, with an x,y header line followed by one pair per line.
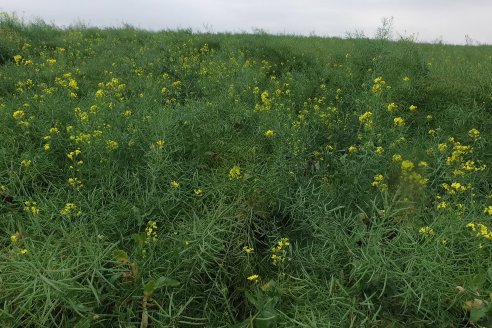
x,y
173,179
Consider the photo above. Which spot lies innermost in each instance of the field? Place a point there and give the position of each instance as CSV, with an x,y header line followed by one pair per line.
x,y
173,179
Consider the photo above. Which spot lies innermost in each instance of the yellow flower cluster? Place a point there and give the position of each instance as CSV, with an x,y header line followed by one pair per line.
x,y
235,173
279,252
378,182
488,210
253,278
151,231
397,158
392,107
159,144
455,187
26,162
111,145
407,165
474,134
366,119
399,121
427,231
175,184
458,152
75,183
248,250
409,175
265,103
73,154
378,85
70,209
19,116
31,207
270,133
480,230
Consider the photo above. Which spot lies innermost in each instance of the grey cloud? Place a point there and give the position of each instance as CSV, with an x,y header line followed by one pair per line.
x,y
451,19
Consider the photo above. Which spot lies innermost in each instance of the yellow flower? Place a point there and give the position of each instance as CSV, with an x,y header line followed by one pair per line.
x,y
442,147
406,78
235,173
18,59
269,133
26,162
397,157
366,119
399,121
54,130
198,192
379,150
177,84
18,114
71,155
352,149
151,231
377,179
442,205
46,146
73,84
488,210
51,61
428,231
428,117
378,84
111,145
407,165
456,186
248,250
160,144
412,108
30,207
23,251
127,113
474,134
70,209
378,182
392,106
253,278
99,93
14,238
175,184
264,97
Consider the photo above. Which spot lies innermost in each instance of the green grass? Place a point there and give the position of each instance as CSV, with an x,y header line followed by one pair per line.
x,y
108,131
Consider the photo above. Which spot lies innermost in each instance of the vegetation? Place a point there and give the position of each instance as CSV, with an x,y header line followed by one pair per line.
x,y
172,179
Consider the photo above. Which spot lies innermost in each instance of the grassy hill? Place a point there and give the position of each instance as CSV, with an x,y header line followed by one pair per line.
x,y
172,179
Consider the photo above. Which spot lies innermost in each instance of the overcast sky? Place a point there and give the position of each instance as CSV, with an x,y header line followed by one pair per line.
x,y
430,20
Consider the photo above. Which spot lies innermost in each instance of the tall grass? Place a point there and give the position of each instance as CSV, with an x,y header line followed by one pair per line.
x,y
172,179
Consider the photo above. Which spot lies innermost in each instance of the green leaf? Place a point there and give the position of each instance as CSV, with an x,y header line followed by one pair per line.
x,y
489,273
166,282
139,239
268,286
149,287
120,256
266,319
251,298
153,284
477,314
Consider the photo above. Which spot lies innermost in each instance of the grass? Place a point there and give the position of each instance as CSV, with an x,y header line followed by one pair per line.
x,y
172,179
